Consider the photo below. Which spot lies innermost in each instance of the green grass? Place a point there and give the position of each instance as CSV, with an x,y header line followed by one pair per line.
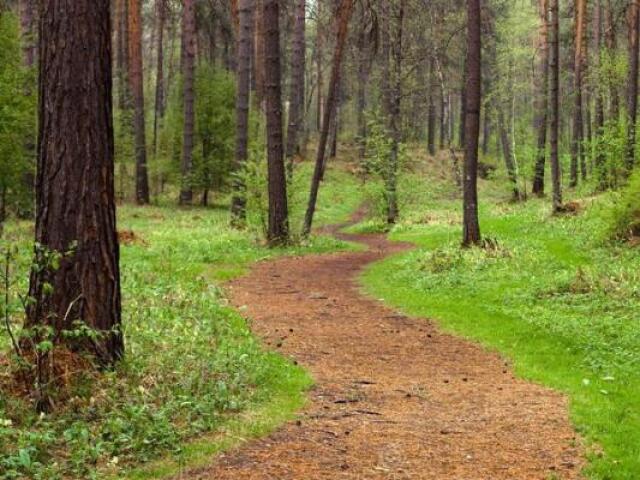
x,y
553,297
195,380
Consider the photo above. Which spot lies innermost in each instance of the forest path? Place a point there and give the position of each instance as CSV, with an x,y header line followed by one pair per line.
x,y
395,398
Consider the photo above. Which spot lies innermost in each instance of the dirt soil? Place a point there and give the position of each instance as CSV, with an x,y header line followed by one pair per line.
x,y
395,397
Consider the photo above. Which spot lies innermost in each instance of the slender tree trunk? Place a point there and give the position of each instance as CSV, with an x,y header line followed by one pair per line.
x,y
258,61
188,54
612,46
245,36
363,78
319,55
600,159
296,94
343,17
431,114
632,84
136,86
75,186
507,152
158,111
578,127
542,103
278,231
471,225
554,66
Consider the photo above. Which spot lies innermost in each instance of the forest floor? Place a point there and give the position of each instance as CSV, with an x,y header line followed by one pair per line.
x,y
394,396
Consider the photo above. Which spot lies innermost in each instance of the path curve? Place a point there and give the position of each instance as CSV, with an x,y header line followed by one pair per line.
x,y
395,398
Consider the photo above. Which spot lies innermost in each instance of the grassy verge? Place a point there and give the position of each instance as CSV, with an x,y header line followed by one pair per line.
x,y
551,296
195,380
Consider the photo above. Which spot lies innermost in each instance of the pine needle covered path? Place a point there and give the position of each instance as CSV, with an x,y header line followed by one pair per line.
x,y
394,397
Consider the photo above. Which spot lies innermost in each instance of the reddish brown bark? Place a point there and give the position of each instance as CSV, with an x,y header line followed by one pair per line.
x,y
136,85
473,96
278,229
75,187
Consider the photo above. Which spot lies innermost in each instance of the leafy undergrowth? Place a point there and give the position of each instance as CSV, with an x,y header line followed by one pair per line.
x,y
550,292
192,370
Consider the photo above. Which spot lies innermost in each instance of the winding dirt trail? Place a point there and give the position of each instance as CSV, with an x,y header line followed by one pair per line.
x,y
395,398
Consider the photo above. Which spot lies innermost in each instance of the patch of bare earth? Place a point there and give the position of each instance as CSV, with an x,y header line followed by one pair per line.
x,y
395,398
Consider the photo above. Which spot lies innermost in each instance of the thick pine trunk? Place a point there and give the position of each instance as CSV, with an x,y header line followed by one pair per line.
x,y
632,84
554,66
542,103
188,64
75,185
473,97
361,90
296,93
343,17
136,84
278,229
243,74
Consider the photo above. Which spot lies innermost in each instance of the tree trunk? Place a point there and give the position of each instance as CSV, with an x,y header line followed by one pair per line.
x,y
632,84
75,180
542,100
319,55
296,93
394,114
158,111
507,153
137,91
554,65
343,17
188,54
600,160
278,230
578,127
431,113
361,91
471,225
463,102
612,46
245,36
258,61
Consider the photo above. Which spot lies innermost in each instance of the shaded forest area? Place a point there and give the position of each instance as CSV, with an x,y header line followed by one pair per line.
x,y
153,150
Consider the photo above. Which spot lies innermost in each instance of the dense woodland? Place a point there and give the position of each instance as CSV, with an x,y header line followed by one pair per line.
x,y
152,150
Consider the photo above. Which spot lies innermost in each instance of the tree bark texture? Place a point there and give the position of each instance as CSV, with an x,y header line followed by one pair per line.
x,y
75,179
632,84
554,126
542,104
188,60
278,229
296,93
471,224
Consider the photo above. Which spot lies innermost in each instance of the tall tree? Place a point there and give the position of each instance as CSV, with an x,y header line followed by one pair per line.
x,y
507,153
278,229
599,120
75,188
343,16
296,93
633,19
136,84
471,224
188,65
431,109
542,103
158,111
579,57
554,66
243,75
